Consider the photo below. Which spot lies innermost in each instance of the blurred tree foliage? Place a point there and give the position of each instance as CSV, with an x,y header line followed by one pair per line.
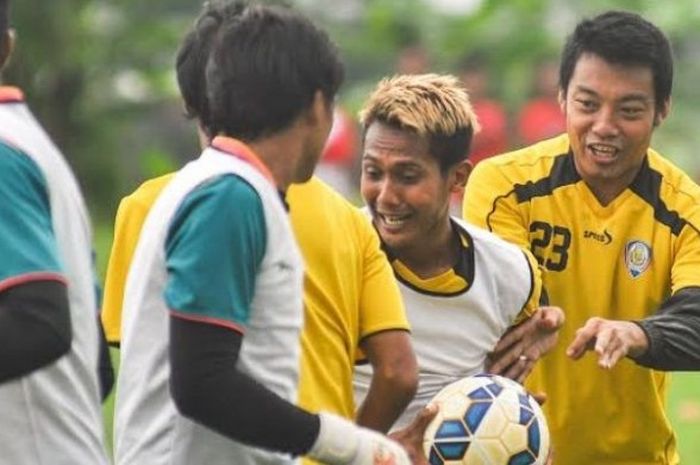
x,y
98,73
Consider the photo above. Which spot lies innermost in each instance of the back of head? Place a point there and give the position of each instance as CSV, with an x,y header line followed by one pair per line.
x,y
621,38
431,105
191,61
473,70
264,69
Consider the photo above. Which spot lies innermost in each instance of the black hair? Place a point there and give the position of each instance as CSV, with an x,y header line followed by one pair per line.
x,y
624,38
191,61
450,149
264,69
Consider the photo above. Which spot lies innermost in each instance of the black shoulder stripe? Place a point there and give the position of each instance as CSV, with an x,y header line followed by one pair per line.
x,y
563,173
647,185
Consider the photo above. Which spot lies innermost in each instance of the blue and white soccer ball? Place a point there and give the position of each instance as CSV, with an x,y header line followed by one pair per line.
x,y
486,420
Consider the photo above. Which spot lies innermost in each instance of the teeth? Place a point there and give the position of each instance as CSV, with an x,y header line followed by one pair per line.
x,y
393,220
603,150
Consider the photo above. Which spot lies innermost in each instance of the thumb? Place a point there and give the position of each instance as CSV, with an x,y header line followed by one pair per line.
x,y
425,416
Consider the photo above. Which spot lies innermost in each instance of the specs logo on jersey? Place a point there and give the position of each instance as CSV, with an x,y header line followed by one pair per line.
x,y
604,238
637,257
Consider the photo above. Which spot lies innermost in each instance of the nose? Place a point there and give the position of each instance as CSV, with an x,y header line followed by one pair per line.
x,y
605,124
388,195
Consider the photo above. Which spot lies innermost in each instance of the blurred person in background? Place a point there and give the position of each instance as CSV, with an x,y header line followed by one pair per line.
x,y
476,77
541,116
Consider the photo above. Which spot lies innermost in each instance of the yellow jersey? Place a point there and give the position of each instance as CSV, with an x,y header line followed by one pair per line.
x,y
349,287
618,261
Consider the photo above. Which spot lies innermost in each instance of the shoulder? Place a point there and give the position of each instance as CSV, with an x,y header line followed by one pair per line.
x,y
225,191
315,201
316,194
527,164
143,198
18,172
674,188
486,241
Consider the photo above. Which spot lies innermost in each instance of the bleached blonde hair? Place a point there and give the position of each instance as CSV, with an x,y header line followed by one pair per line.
x,y
429,104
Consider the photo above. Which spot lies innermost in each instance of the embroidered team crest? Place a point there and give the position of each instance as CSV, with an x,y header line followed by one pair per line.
x,y
637,257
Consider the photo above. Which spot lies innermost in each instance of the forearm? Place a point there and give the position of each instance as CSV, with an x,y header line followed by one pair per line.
x,y
394,379
35,327
207,388
384,404
674,333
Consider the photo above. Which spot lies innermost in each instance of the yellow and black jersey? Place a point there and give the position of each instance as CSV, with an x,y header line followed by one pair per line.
x,y
618,261
458,316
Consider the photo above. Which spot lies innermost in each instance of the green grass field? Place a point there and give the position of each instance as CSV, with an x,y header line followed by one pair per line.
x,y
684,407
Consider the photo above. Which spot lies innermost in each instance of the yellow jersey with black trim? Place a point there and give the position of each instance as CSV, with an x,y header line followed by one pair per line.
x,y
618,261
458,316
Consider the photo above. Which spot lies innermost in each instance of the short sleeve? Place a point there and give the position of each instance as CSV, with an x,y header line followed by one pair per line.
x,y
28,246
214,249
685,271
490,203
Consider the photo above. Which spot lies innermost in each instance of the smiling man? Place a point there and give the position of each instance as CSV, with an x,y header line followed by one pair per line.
x,y
463,287
614,226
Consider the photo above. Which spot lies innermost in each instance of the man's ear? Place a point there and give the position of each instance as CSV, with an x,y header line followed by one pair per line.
x,y
461,175
562,100
7,45
319,109
661,115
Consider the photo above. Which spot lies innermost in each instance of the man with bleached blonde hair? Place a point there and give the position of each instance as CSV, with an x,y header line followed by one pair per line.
x,y
462,286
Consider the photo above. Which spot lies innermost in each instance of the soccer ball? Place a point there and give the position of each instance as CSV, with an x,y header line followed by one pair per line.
x,y
486,420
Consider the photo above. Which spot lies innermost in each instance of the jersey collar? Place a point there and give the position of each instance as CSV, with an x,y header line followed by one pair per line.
x,y
240,150
10,94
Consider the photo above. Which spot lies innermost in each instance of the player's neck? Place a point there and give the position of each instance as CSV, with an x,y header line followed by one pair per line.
x,y
607,190
279,153
432,256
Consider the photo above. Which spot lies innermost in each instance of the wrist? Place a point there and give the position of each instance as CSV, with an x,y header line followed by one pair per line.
x,y
336,442
640,340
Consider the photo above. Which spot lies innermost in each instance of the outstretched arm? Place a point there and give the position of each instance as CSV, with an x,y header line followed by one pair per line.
x,y
668,340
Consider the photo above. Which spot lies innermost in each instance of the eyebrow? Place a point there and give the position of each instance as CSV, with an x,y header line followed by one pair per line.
x,y
631,97
398,164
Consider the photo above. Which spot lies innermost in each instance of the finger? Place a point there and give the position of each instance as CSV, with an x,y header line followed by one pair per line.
x,y
526,371
584,340
513,336
550,457
518,370
615,350
422,420
603,340
500,362
616,355
552,318
540,397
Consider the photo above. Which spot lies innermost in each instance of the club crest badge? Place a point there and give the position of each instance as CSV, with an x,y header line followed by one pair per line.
x,y
637,257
